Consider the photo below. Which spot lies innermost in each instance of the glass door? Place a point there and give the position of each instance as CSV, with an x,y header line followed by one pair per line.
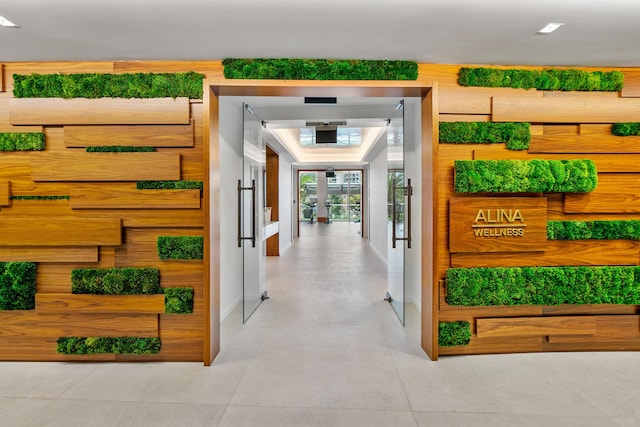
x,y
251,200
398,212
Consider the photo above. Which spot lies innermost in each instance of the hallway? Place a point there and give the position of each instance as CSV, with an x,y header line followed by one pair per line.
x,y
326,350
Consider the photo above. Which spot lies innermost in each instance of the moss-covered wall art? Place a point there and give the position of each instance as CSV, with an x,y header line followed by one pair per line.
x,y
319,69
516,136
169,185
180,247
626,129
178,300
525,176
115,281
451,334
548,79
96,85
22,141
594,230
100,345
17,285
119,149
499,286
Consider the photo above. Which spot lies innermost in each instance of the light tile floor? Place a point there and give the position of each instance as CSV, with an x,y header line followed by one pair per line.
x,y
326,350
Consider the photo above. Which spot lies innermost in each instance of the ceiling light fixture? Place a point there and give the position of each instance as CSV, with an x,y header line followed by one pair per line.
x,y
4,22
550,28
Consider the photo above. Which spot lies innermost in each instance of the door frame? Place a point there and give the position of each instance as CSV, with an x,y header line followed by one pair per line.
x,y
215,88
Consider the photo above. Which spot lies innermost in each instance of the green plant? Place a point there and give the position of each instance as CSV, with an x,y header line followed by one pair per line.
x,y
451,334
180,247
525,176
626,129
499,286
17,285
548,79
115,281
178,300
95,85
169,185
40,197
119,149
319,69
596,230
22,141
516,136
117,345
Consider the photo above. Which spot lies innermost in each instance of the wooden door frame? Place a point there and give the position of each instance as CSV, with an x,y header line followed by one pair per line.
x,y
215,88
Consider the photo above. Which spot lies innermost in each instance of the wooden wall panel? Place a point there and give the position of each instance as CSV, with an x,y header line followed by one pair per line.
x,y
608,329
50,254
557,253
5,193
101,111
615,193
1,77
54,325
575,109
105,166
605,163
5,126
631,86
59,232
30,348
534,326
585,144
77,303
129,135
135,199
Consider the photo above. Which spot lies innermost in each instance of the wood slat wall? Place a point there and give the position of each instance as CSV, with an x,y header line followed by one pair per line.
x,y
53,233
101,111
130,136
135,199
105,166
571,125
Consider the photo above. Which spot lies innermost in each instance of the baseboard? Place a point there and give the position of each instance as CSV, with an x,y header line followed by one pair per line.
x,y
227,311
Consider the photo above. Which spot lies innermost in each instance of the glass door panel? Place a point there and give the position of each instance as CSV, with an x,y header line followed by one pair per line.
x,y
251,212
398,212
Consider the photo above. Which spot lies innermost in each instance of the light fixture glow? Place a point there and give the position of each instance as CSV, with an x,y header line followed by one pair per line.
x,y
4,22
550,28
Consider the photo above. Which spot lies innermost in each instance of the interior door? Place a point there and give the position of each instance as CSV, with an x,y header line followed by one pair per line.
x,y
399,212
251,201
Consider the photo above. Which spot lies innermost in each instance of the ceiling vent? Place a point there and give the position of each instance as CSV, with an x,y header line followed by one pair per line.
x,y
320,100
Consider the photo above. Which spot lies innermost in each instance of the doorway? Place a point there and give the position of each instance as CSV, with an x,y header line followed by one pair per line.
x,y
345,208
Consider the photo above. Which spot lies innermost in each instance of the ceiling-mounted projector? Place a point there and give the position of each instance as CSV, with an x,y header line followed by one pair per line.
x,y
326,132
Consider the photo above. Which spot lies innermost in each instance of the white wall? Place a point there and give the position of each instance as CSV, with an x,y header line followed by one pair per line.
x,y
378,234
286,196
230,172
412,167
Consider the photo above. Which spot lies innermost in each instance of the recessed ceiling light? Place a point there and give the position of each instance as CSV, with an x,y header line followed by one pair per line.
x,y
550,28
4,22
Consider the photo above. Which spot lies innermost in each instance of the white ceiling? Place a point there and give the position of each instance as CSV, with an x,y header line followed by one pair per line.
x,y
596,33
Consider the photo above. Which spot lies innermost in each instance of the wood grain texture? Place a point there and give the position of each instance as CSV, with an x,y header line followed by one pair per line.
x,y
135,199
558,253
631,86
615,193
129,135
5,193
534,326
464,118
612,329
605,163
497,224
584,143
105,166
575,109
76,303
101,111
51,254
272,168
476,100
5,126
59,232
34,323
30,348
1,77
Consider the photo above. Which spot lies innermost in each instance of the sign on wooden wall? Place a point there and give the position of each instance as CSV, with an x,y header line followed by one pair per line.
x,y
497,224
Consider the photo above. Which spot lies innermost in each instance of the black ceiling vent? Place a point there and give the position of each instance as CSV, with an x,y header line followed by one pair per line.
x,y
320,100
